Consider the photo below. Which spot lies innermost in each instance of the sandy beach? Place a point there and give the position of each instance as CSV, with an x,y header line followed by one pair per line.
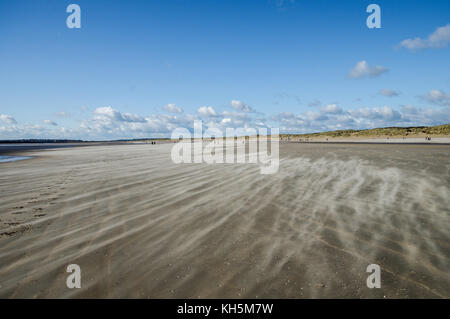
x,y
141,226
379,140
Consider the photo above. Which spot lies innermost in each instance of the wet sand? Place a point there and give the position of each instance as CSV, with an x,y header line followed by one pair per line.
x,y
140,226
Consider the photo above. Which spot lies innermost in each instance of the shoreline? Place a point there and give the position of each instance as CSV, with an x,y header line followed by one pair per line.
x,y
30,151
18,149
7,159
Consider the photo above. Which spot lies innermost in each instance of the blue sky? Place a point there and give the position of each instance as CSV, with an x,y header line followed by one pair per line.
x,y
143,68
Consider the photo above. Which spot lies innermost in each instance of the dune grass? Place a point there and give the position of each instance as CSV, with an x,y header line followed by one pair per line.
x,y
439,130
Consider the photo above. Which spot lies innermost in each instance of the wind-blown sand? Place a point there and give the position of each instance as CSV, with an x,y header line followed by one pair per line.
x,y
140,226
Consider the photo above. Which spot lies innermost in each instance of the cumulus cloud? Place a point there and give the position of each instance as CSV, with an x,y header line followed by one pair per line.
x,y
438,39
109,123
37,131
334,117
332,108
389,93
108,112
240,106
7,119
206,111
288,120
437,97
316,116
329,117
362,69
425,116
172,108
50,122
384,113
115,127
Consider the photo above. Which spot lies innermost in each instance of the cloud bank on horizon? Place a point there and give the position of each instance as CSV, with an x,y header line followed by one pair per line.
x,y
109,123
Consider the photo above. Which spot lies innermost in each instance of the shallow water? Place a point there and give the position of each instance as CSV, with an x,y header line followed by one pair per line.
x,y
4,159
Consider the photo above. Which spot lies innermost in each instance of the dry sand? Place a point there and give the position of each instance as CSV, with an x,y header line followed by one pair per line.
x,y
373,139
140,226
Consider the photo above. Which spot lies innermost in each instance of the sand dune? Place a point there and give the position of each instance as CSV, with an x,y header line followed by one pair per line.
x,y
140,226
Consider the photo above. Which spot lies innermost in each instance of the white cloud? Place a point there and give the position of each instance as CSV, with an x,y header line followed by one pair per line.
x,y
384,113
288,121
316,116
362,118
7,119
37,131
389,93
240,106
109,123
172,108
330,117
438,39
108,113
437,97
50,122
425,116
362,69
235,115
206,111
332,108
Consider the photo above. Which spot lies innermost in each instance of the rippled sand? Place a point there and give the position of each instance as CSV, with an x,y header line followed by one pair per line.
x,y
140,226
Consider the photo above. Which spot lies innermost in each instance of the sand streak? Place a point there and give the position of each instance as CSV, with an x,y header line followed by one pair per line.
x,y
141,226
